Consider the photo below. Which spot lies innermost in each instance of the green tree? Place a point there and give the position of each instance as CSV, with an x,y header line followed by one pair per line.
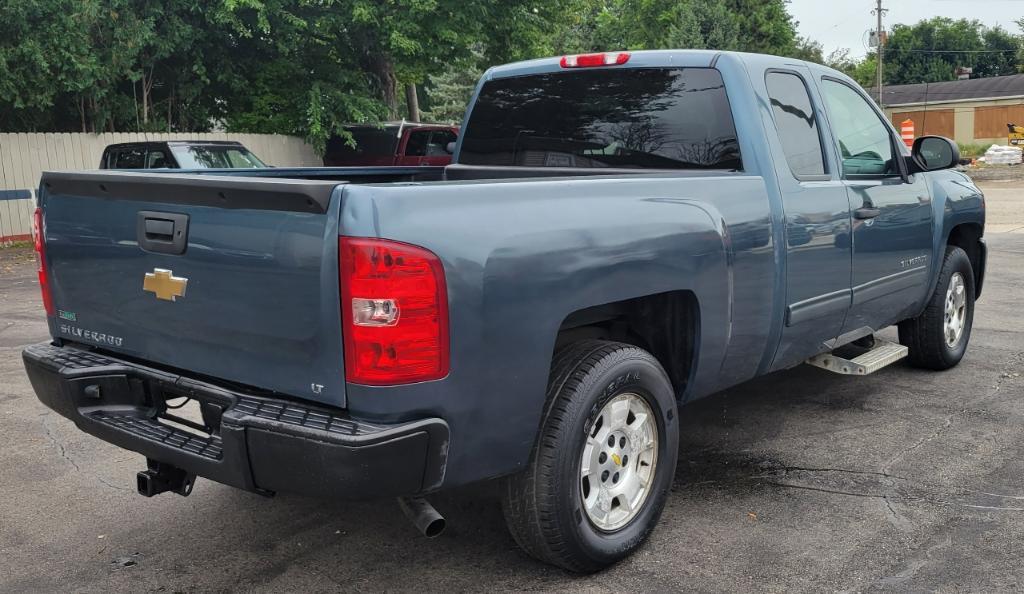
x,y
765,25
38,60
809,50
308,68
931,51
450,91
865,72
60,54
1000,57
1020,52
95,65
744,25
327,63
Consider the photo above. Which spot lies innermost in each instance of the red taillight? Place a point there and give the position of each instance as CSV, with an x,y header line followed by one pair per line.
x,y
395,312
39,242
591,60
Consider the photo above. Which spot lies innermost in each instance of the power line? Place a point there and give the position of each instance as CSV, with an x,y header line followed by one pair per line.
x,y
934,51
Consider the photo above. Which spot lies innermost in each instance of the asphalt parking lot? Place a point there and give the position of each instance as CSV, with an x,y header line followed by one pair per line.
x,y
800,481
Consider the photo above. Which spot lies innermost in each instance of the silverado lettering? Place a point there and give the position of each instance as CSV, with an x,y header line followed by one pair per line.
x,y
76,332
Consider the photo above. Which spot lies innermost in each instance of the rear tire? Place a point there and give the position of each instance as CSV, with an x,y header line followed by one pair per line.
x,y
583,503
938,338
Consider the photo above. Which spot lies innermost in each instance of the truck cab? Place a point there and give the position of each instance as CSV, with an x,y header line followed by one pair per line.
x,y
179,154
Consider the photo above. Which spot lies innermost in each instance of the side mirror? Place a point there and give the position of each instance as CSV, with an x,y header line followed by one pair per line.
x,y
450,148
931,153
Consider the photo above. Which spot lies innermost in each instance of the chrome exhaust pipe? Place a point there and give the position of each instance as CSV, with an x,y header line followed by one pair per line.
x,y
422,515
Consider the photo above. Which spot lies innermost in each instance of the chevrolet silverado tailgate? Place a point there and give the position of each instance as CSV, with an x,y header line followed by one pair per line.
x,y
231,278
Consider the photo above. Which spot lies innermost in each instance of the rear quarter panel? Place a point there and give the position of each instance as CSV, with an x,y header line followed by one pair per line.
x,y
521,256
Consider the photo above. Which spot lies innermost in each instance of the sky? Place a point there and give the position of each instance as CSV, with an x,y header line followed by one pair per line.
x,y
845,23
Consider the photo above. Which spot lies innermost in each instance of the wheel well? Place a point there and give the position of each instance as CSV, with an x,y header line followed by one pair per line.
x,y
664,324
966,237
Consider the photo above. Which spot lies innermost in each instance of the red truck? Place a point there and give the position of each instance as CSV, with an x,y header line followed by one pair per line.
x,y
393,143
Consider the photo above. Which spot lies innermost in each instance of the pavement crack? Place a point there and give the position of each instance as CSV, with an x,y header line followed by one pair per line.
x,y
898,520
64,454
843,470
60,446
999,495
949,421
824,490
1015,361
112,485
889,498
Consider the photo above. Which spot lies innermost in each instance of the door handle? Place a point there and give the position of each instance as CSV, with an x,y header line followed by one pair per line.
x,y
866,212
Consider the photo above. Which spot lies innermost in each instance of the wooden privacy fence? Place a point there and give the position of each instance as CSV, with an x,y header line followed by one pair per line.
x,y
24,157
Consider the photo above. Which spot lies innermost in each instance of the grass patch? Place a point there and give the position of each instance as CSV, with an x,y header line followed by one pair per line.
x,y
15,244
972,149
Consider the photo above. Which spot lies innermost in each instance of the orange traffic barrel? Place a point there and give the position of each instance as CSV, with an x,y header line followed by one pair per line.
x,y
907,132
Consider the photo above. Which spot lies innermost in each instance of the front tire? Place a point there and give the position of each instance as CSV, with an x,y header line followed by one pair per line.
x,y
938,338
603,463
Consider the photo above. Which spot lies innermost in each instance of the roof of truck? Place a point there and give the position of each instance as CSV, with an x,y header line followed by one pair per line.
x,y
176,142
382,125
680,58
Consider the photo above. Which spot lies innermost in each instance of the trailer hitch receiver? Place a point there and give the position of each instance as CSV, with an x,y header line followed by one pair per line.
x,y
160,478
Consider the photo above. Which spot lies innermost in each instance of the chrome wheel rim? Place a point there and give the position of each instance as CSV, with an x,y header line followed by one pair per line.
x,y
618,462
955,318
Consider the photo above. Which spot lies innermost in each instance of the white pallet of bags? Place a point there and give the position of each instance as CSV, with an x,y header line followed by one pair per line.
x,y
1003,155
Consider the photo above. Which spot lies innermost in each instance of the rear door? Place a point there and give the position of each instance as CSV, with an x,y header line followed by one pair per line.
x,y
234,279
892,212
817,217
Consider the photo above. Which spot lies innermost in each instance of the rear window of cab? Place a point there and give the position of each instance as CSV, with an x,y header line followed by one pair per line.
x,y
648,118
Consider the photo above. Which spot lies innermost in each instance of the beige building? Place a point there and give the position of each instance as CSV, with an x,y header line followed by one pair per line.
x,y
974,111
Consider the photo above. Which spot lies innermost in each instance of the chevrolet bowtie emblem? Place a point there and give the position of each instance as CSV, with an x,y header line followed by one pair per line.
x,y
164,284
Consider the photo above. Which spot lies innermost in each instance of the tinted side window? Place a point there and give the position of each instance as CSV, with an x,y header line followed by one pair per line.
x,y
417,144
865,144
157,159
439,142
663,118
129,158
795,122
242,159
368,142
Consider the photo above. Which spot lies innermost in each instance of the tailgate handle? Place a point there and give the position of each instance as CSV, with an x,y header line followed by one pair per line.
x,y
162,232
159,229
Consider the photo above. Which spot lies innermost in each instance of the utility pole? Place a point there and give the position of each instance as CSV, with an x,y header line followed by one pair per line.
x,y
879,11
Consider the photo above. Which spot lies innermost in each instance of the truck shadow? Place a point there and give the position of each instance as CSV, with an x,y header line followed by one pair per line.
x,y
726,441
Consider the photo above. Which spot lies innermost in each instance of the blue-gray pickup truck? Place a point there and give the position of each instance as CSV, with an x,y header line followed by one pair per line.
x,y
619,234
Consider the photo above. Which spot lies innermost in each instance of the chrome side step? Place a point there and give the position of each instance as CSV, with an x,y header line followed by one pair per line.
x,y
883,354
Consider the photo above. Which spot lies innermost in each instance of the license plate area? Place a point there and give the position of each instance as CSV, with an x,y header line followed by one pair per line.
x,y
189,412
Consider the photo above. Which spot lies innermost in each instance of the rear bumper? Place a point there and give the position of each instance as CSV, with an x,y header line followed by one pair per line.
x,y
256,443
